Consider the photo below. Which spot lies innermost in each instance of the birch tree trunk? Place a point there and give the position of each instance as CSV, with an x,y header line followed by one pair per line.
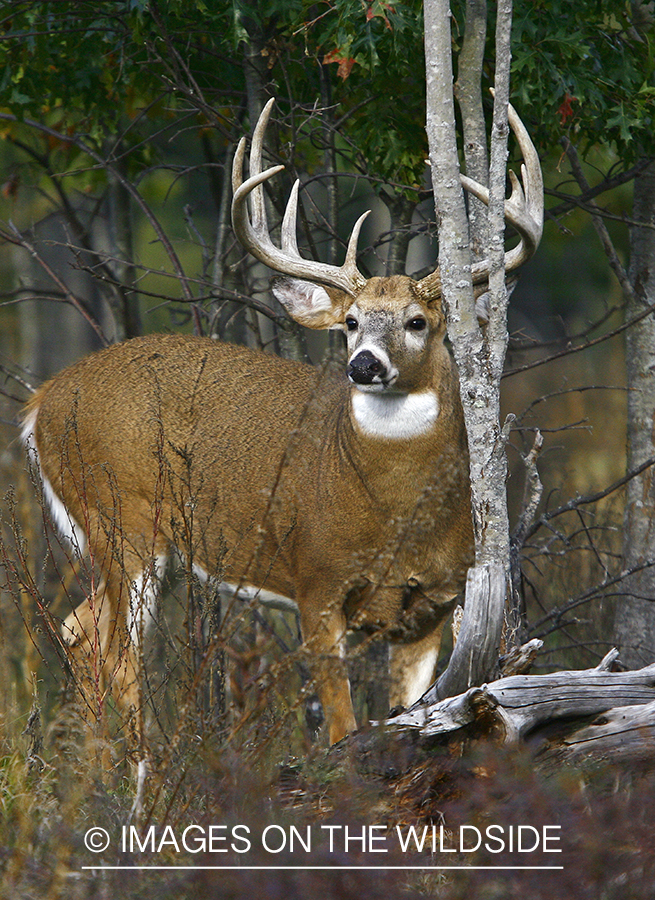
x,y
479,355
635,616
468,92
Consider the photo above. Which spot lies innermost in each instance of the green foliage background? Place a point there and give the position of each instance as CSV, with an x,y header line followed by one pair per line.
x,y
583,68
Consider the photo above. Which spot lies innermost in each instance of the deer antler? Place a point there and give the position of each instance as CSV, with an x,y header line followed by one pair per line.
x,y
254,236
524,210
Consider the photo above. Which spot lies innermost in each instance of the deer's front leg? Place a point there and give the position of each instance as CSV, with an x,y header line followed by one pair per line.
x,y
324,636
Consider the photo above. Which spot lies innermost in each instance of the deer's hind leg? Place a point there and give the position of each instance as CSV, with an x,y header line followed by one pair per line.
x,y
104,637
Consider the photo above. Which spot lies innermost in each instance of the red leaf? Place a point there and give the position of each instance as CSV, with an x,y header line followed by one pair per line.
x,y
345,62
565,110
379,8
10,188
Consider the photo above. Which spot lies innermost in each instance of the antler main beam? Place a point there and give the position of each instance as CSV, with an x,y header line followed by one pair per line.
x,y
254,234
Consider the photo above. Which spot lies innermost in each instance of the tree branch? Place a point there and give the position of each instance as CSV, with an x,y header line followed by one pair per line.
x,y
599,225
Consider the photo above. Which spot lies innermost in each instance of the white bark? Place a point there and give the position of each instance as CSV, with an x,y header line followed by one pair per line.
x,y
468,92
479,356
635,616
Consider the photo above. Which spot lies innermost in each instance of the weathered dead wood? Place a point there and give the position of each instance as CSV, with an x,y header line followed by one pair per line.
x,y
625,732
513,706
519,660
476,649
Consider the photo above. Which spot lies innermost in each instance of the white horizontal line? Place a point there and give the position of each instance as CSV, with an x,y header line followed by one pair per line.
x,y
328,868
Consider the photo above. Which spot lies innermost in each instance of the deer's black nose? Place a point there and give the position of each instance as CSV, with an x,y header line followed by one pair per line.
x,y
365,368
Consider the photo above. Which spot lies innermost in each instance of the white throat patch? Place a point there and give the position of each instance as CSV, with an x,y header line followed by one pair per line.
x,y
395,416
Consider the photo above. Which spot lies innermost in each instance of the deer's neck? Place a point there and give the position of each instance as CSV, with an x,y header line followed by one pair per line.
x,y
395,417
395,445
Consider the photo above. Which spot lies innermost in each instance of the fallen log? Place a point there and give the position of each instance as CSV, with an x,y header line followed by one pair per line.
x,y
513,707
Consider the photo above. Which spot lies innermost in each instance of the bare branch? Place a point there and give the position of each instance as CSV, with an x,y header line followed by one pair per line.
x,y
16,238
576,502
646,311
81,144
599,225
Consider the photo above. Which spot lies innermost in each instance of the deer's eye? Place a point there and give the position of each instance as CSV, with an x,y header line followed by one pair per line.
x,y
351,323
418,323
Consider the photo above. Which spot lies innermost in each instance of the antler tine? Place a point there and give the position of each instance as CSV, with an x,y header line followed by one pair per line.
x,y
290,244
288,230
519,215
254,235
256,242
350,264
258,208
524,209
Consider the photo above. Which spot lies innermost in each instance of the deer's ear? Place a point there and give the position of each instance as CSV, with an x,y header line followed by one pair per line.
x,y
310,304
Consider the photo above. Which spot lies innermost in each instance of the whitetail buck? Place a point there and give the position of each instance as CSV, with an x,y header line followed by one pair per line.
x,y
350,495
